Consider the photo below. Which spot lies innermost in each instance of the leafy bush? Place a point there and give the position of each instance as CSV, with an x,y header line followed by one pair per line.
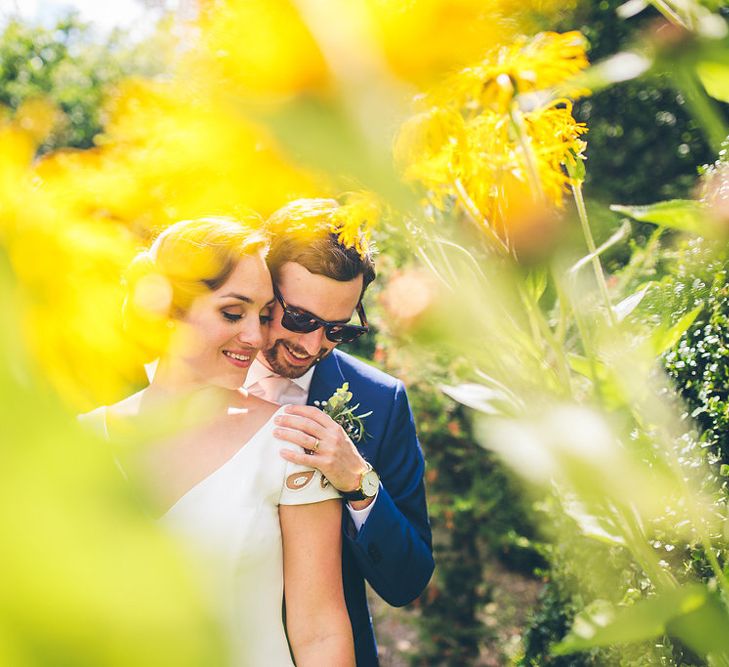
x,y
477,514
643,145
695,276
66,66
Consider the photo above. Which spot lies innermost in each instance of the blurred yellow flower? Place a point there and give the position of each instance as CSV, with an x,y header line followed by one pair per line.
x,y
493,139
37,117
422,39
259,47
526,65
354,221
430,148
72,221
352,218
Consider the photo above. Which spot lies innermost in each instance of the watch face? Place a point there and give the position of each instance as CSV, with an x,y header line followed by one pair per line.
x,y
370,483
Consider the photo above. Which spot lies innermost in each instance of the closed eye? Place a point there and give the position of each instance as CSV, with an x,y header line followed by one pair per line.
x,y
232,317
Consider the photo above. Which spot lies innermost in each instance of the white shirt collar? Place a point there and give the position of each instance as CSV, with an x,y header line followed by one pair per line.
x,y
258,371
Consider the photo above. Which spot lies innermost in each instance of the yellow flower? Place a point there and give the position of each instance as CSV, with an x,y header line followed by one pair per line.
x,y
429,147
421,39
352,218
259,47
493,139
72,221
524,66
354,221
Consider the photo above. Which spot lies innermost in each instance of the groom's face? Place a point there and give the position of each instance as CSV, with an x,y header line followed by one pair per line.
x,y
291,354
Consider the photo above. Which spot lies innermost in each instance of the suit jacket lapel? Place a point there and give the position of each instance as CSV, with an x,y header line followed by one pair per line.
x,y
327,379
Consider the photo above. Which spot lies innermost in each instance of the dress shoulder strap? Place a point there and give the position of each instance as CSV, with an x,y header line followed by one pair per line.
x,y
96,420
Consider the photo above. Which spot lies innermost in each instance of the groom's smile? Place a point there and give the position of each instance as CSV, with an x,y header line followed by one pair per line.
x,y
291,354
295,354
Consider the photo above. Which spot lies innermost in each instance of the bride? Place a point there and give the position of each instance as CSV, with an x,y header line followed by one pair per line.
x,y
271,527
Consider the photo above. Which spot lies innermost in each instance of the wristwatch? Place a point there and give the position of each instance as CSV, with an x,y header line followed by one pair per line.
x,y
369,482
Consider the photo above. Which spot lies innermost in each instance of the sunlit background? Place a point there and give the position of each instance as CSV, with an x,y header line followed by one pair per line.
x,y
552,288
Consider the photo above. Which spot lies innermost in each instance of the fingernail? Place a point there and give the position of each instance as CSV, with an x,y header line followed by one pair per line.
x,y
278,420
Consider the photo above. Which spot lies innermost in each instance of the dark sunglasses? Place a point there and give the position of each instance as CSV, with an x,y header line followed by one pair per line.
x,y
301,321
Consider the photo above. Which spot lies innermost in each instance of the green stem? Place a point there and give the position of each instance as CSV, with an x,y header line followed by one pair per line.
x,y
596,264
703,108
584,337
526,147
445,260
714,562
668,11
561,331
643,553
474,215
541,331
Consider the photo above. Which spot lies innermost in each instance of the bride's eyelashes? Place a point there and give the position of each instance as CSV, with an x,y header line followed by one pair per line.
x,y
264,318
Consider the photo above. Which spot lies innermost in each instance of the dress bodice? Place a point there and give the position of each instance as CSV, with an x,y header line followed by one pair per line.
x,y
229,522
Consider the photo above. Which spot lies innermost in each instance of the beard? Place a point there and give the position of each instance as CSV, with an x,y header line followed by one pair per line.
x,y
276,360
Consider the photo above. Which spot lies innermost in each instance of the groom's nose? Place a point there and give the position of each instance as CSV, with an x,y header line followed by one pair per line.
x,y
312,341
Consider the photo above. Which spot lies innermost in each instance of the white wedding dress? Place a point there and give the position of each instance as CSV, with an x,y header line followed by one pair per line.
x,y
230,520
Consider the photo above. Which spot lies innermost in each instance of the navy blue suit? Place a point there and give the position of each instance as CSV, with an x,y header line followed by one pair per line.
x,y
393,550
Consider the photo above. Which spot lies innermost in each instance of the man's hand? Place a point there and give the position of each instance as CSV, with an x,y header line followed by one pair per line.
x,y
332,452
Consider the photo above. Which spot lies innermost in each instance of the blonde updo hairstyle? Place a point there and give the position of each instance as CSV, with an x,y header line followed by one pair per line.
x,y
185,261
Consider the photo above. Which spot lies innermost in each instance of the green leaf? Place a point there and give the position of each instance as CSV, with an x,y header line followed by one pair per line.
x,y
629,304
715,79
595,527
576,168
685,215
536,283
616,237
599,372
663,340
693,614
473,395
622,66
584,366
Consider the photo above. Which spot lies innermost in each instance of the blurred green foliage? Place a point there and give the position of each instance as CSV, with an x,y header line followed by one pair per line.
x,y
477,517
87,578
698,364
643,146
681,276
478,513
68,66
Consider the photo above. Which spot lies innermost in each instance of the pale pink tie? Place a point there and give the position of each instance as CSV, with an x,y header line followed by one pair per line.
x,y
271,388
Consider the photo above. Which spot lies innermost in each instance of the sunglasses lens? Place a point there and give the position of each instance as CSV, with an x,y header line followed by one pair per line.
x,y
301,321
343,334
298,322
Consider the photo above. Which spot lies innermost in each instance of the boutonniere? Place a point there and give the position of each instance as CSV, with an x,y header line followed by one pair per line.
x,y
338,408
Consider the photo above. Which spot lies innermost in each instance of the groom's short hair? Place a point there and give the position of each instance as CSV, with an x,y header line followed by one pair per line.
x,y
300,234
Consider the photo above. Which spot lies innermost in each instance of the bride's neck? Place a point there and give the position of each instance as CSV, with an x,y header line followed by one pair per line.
x,y
173,385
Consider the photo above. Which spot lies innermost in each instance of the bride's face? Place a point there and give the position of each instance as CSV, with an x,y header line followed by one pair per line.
x,y
220,334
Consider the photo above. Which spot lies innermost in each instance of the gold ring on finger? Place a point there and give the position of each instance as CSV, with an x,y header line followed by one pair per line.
x,y
315,446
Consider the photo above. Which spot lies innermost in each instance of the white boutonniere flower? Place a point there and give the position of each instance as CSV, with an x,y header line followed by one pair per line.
x,y
338,408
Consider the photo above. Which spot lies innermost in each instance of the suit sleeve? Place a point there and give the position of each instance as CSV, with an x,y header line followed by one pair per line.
x,y
394,546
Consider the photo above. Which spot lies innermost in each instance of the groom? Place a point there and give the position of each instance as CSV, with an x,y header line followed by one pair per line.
x,y
319,284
